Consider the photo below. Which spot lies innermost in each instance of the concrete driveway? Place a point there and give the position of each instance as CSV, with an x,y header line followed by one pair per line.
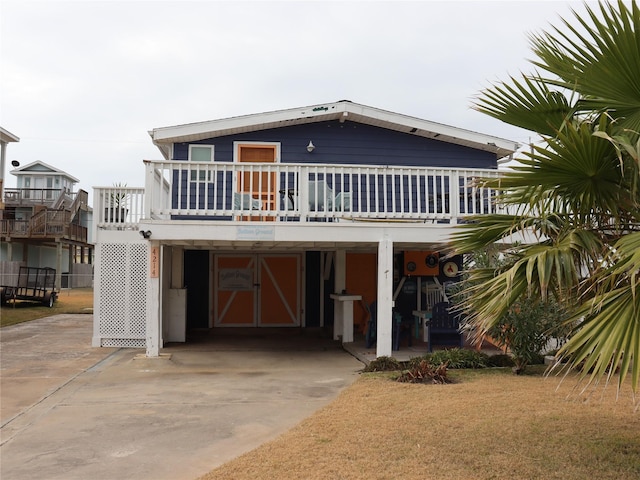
x,y
70,411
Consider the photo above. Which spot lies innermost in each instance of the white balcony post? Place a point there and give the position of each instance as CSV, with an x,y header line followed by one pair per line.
x,y
151,193
454,196
385,298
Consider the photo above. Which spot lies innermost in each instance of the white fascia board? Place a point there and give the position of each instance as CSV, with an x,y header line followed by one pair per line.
x,y
216,128
6,136
342,110
431,129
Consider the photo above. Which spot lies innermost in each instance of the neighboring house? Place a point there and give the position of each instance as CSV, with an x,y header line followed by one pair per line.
x,y
282,219
45,223
6,137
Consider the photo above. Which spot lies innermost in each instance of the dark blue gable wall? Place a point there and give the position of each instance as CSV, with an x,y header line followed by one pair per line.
x,y
352,143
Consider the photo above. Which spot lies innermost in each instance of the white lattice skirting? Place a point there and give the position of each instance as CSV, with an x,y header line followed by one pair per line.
x,y
121,291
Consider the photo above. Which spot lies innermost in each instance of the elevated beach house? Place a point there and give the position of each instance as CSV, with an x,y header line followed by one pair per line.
x,y
44,223
310,217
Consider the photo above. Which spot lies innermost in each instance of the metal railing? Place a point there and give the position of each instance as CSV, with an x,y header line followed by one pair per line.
x,y
295,192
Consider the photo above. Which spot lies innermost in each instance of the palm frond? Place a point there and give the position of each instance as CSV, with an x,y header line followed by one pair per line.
x,y
600,58
576,172
536,270
573,229
527,104
483,230
607,337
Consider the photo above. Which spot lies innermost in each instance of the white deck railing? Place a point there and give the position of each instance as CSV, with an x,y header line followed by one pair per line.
x,y
118,207
295,192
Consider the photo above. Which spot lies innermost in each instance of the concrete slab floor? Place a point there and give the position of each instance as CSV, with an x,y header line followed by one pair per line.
x,y
85,412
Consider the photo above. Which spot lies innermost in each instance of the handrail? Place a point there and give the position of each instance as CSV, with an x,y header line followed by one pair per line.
x,y
45,224
44,196
295,192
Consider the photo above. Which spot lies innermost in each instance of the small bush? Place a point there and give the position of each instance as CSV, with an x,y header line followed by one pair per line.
x,y
537,359
501,360
459,358
383,364
527,328
425,372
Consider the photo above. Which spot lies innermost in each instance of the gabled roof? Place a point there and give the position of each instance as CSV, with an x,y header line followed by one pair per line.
x,y
343,110
43,168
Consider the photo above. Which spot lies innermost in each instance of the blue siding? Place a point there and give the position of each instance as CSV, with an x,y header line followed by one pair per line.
x,y
352,143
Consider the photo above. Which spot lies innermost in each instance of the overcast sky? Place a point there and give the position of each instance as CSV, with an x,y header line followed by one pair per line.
x,y
82,82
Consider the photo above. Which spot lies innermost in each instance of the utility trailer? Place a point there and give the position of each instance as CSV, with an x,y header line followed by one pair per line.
x,y
34,284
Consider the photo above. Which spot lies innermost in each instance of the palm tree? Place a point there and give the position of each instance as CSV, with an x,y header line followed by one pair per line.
x,y
572,207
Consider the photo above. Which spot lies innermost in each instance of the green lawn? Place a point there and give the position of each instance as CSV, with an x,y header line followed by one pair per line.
x,y
77,300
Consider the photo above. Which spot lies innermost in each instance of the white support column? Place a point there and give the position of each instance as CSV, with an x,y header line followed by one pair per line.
x,y
385,298
339,284
153,305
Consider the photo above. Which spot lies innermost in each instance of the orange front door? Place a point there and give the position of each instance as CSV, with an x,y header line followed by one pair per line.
x,y
259,184
258,290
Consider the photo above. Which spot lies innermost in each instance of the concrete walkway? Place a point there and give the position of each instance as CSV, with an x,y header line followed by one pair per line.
x,y
70,411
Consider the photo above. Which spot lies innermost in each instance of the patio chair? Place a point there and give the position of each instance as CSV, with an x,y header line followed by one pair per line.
x,y
320,196
397,330
444,326
244,201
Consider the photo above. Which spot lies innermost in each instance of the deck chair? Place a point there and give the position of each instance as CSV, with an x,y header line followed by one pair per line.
x,y
402,328
342,202
244,201
444,327
372,327
370,334
320,196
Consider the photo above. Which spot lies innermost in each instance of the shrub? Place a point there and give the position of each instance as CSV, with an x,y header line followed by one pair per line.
x,y
425,372
501,360
383,364
527,328
458,358
529,325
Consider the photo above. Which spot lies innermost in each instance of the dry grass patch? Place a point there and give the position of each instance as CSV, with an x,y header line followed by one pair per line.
x,y
487,425
76,300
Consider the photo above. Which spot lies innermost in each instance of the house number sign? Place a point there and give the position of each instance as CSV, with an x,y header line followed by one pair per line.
x,y
155,262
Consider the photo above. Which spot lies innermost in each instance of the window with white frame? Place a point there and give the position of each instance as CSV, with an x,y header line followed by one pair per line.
x,y
200,153
27,186
49,192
